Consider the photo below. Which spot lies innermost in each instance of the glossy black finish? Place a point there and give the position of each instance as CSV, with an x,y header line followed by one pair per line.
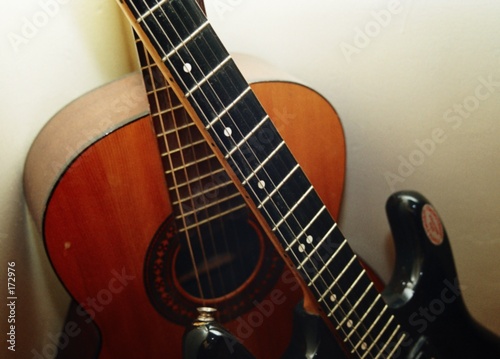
x,y
425,292
211,340
311,338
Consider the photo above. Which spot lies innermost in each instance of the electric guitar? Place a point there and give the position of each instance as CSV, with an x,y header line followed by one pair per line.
x,y
122,241
223,106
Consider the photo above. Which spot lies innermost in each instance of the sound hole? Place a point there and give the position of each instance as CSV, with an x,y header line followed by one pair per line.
x,y
219,263
240,269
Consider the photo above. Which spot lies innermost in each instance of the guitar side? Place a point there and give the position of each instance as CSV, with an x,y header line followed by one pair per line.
x,y
99,199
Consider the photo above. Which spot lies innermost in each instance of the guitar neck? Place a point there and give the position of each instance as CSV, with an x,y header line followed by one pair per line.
x,y
192,170
192,58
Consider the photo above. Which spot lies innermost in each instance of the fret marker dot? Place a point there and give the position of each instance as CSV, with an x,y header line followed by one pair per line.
x,y
333,297
364,346
349,323
228,132
187,67
302,247
309,239
261,184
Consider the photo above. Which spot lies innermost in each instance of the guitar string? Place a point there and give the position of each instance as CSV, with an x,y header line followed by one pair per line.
x,y
201,4
166,16
190,129
193,206
152,13
174,179
210,234
193,255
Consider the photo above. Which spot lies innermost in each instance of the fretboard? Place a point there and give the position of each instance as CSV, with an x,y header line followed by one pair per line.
x,y
188,50
199,188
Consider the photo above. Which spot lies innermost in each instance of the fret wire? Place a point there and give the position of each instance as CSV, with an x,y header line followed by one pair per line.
x,y
334,255
348,315
236,167
322,209
183,127
201,193
151,33
334,283
205,79
308,257
207,220
397,346
150,11
195,102
183,148
188,164
166,110
353,330
191,181
185,41
227,108
160,89
290,211
283,181
388,341
377,338
209,205
344,296
245,139
370,328
262,164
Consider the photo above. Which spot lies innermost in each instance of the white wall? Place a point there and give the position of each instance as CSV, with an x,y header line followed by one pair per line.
x,y
394,79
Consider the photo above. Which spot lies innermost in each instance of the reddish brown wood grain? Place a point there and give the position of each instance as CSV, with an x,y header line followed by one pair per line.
x,y
101,212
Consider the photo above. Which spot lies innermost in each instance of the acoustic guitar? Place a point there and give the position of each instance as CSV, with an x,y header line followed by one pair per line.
x,y
142,224
420,315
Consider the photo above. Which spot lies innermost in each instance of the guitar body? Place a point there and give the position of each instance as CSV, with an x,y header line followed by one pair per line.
x,y
96,189
424,291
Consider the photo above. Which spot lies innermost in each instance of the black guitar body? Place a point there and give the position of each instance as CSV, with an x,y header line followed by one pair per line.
x,y
424,291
